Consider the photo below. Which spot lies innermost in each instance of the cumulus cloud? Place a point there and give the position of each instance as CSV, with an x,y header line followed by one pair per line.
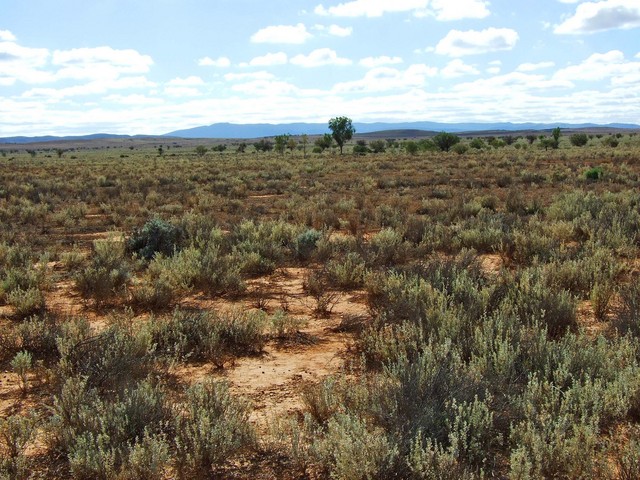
x,y
591,17
447,10
457,68
601,66
514,81
262,75
370,8
7,36
473,42
266,88
440,9
372,62
381,79
220,62
293,34
268,60
338,31
319,58
191,81
532,67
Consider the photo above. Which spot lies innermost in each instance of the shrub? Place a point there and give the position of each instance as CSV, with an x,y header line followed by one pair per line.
x,y
285,326
187,335
107,359
594,173
156,236
21,365
305,243
109,438
348,272
108,273
579,139
212,429
532,301
444,141
26,302
353,450
16,431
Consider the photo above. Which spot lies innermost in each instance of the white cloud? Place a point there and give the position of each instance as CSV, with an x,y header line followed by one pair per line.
x,y
320,57
601,66
495,67
269,59
472,42
440,9
96,87
371,8
372,62
338,31
591,17
220,62
266,88
514,81
262,75
24,64
294,34
532,67
457,68
133,99
447,10
128,61
381,79
192,81
7,36
177,91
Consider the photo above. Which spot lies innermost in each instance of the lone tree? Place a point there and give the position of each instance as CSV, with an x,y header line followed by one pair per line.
x,y
444,141
342,130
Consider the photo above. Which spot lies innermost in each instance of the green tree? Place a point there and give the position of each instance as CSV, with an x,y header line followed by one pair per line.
x,y
263,145
304,140
342,130
411,147
281,142
292,144
444,140
201,150
579,139
378,146
324,142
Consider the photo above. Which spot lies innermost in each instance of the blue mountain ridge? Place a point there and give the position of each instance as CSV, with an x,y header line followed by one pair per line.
x,y
258,130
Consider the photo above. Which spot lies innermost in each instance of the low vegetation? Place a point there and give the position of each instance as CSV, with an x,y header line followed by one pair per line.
x,y
496,334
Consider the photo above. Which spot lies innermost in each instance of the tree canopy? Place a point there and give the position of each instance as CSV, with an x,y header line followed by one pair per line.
x,y
342,130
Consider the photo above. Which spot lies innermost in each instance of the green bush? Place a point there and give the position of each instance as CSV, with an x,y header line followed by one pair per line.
x,y
579,139
155,236
26,302
16,431
212,429
594,173
108,272
108,438
115,356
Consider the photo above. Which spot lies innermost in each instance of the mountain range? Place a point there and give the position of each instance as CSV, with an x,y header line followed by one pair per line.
x,y
258,130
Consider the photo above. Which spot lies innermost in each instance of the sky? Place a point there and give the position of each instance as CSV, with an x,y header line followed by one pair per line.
x,y
72,67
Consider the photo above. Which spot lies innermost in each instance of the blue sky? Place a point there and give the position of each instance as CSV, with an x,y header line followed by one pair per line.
x,y
149,67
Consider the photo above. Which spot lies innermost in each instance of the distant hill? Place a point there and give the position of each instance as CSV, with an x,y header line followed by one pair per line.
x,y
379,129
257,130
52,138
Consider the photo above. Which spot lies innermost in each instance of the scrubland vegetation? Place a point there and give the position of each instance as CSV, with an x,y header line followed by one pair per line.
x,y
497,280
